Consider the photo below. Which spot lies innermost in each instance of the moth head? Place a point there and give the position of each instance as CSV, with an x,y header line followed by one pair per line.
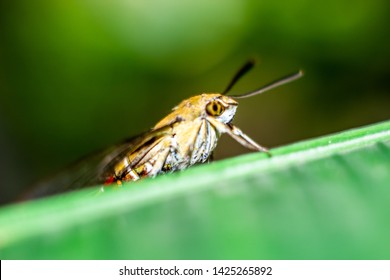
x,y
221,108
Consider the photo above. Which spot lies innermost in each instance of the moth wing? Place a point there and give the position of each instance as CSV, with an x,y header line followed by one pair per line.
x,y
93,169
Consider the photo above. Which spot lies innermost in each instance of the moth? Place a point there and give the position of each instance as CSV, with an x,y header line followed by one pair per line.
x,y
185,137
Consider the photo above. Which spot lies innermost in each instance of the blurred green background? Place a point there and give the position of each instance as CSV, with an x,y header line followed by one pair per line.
x,y
76,76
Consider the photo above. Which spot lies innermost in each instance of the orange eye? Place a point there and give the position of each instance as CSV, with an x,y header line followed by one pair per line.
x,y
214,108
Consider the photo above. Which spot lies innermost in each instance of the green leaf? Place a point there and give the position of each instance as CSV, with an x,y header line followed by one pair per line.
x,y
326,198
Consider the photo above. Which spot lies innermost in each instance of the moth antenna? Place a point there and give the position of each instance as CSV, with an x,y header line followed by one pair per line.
x,y
272,85
243,70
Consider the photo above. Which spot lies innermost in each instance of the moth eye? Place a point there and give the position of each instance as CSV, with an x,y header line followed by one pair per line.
x,y
214,108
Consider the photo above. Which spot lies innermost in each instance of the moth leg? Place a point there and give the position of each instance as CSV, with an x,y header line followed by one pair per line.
x,y
129,175
244,139
198,145
159,162
211,143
